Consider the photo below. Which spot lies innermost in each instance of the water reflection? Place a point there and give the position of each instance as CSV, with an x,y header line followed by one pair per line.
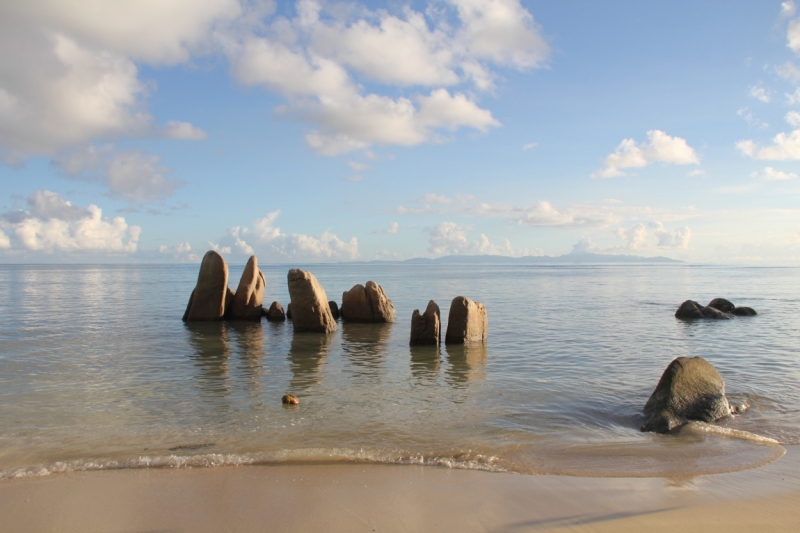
x,y
425,362
249,340
365,347
467,363
211,352
306,357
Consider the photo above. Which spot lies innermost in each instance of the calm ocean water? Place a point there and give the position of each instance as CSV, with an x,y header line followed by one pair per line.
x,y
98,371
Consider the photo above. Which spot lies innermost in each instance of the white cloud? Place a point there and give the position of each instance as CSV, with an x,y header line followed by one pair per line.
x,y
793,36
697,172
267,240
759,93
635,237
133,175
184,130
662,147
358,167
53,224
5,242
770,174
678,238
448,238
788,9
436,199
180,252
789,71
786,147
640,238
529,146
793,118
393,229
794,98
225,250
752,120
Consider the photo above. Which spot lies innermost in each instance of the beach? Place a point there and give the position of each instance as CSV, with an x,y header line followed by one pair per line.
x,y
384,498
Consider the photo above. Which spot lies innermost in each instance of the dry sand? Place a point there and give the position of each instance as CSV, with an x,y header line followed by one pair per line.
x,y
354,498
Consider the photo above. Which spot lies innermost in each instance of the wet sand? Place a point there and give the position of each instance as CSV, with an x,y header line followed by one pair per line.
x,y
353,498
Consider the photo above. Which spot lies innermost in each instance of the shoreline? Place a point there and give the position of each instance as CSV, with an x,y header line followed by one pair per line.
x,y
368,497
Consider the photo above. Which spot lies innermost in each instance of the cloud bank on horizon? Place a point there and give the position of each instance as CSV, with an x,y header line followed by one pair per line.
x,y
204,122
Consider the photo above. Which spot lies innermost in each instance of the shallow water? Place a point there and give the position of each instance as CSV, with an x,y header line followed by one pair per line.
x,y
98,371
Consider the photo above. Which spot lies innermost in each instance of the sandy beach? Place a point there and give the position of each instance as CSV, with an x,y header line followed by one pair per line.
x,y
352,497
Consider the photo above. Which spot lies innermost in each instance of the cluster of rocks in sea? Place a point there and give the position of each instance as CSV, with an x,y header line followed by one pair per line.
x,y
690,389
718,308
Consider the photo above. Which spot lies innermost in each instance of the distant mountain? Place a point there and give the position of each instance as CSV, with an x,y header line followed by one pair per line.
x,y
572,257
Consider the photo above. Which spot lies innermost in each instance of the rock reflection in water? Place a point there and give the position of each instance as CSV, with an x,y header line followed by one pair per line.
x,y
306,357
425,362
365,346
210,341
467,363
249,340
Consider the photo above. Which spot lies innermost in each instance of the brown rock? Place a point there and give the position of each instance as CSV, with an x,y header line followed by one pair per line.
x,y
229,294
310,311
426,327
290,399
208,298
467,322
334,309
721,304
275,313
289,311
249,297
691,310
689,389
367,304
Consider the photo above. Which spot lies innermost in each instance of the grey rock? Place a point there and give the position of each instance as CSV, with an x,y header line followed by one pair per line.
x,y
208,299
426,327
721,304
467,322
249,297
744,311
689,389
309,306
691,310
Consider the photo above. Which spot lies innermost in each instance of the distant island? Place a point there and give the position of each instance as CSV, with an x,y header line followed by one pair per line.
x,y
572,257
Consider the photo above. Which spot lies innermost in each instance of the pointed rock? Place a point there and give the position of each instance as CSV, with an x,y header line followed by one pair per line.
x,y
275,313
367,304
467,322
310,311
208,298
689,389
426,327
249,297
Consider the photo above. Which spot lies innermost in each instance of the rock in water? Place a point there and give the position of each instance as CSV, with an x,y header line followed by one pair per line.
x,y
467,322
208,299
426,327
689,389
290,399
721,304
744,311
289,311
334,309
367,304
275,313
310,311
249,297
691,310
229,294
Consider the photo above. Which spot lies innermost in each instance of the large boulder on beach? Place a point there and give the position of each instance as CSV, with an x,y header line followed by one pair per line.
x,y
467,322
691,310
367,304
275,313
426,327
249,297
689,389
310,311
208,299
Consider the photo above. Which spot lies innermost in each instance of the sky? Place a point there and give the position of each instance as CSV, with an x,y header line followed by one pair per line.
x,y
325,131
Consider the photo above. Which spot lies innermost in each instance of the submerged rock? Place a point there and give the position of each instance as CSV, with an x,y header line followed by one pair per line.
x,y
208,299
249,297
290,399
744,311
367,304
309,307
691,310
689,389
467,322
426,327
721,304
275,313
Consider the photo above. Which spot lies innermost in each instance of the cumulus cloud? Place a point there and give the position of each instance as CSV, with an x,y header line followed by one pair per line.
x,y
640,237
785,147
449,238
318,59
180,252
771,174
662,147
752,120
183,130
53,224
393,229
788,9
760,93
267,240
132,175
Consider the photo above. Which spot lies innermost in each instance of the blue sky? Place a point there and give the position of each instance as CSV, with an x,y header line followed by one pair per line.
x,y
329,131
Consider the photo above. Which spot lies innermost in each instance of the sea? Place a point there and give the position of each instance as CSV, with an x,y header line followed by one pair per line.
x,y
98,372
